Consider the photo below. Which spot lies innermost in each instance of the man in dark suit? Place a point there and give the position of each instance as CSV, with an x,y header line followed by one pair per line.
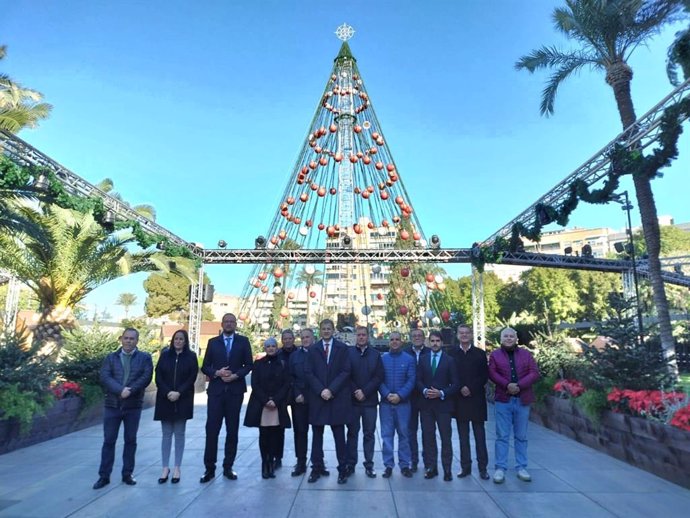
x,y
125,374
299,406
327,371
227,361
437,380
470,401
418,350
367,375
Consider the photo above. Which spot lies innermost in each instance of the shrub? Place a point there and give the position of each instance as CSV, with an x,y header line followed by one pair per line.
x,y
592,402
83,354
66,389
555,357
21,405
22,367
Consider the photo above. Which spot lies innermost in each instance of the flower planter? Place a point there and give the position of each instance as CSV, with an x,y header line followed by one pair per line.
x,y
63,417
655,447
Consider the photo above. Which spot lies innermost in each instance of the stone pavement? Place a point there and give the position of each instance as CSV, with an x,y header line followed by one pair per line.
x,y
54,479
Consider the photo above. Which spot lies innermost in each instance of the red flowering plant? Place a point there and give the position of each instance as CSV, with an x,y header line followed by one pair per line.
x,y
568,389
66,389
658,405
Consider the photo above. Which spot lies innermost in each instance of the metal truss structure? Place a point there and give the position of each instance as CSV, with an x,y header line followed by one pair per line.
x,y
644,132
196,297
25,154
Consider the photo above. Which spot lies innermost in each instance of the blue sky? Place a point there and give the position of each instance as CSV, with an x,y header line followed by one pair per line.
x,y
200,108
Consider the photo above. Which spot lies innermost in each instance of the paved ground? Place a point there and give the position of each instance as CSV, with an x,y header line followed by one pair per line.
x,y
54,479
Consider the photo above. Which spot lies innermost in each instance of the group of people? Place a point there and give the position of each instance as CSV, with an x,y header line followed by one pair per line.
x,y
328,383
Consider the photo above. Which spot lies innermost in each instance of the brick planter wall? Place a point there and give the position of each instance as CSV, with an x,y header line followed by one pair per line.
x,y
655,447
64,417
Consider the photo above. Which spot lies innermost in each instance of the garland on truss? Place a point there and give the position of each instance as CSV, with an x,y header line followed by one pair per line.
x,y
623,162
24,180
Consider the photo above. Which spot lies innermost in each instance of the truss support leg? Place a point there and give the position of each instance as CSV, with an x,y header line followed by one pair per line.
x,y
478,318
196,294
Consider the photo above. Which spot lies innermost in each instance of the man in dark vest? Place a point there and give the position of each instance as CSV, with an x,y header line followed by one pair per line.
x,y
470,401
125,374
367,375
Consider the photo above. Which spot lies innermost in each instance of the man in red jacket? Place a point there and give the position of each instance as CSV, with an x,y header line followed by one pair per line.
x,y
514,371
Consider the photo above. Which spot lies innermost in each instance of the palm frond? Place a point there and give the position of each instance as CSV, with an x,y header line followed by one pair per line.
x,y
548,95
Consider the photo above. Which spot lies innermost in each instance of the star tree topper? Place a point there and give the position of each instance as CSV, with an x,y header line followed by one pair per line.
x,y
344,32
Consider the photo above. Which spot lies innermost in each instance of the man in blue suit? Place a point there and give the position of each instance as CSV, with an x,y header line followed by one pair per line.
x,y
437,380
227,361
327,371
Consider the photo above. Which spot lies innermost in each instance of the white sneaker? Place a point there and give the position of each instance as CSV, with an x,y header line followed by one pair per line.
x,y
524,475
499,476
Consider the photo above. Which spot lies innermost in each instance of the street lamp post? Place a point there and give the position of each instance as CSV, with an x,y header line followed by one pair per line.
x,y
627,207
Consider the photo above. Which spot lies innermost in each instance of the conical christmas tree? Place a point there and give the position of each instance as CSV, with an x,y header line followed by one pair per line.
x,y
344,191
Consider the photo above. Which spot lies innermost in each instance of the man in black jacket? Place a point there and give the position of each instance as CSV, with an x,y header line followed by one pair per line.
x,y
470,402
417,349
125,374
287,343
227,361
299,406
366,376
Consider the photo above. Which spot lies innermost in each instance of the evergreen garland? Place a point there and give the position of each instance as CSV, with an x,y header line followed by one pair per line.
x,y
23,180
623,162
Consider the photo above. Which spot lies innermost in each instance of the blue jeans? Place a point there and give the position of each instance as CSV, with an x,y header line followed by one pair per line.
x,y
395,419
515,415
112,417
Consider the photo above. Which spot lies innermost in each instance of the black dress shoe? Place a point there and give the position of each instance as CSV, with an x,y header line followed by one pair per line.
x,y
324,472
300,469
387,472
229,474
447,476
484,475
174,480
277,463
164,479
414,467
129,480
370,472
430,473
342,478
101,483
314,476
349,470
208,476
464,473
406,472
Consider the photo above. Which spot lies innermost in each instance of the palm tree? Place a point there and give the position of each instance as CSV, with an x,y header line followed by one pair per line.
x,y
607,32
107,186
70,256
19,107
679,53
126,300
304,278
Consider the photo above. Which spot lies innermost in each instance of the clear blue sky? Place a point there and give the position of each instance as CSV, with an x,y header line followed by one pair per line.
x,y
200,108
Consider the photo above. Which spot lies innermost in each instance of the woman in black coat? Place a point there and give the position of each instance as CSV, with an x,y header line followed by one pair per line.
x,y
176,373
267,407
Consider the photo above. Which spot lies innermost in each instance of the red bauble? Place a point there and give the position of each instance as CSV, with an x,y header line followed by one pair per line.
x,y
429,277
366,195
379,296
403,310
375,135
384,195
338,157
399,200
262,276
357,128
314,187
370,225
290,201
312,165
378,165
416,236
282,234
405,271
304,197
322,191
312,294
357,228
390,168
277,272
333,128
366,159
323,160
321,226
445,315
333,190
274,240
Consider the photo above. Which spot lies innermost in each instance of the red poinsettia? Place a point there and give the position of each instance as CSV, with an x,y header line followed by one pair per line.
x,y
66,389
681,418
654,404
569,388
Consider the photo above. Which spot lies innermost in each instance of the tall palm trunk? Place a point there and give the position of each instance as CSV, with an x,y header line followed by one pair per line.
x,y
48,333
619,76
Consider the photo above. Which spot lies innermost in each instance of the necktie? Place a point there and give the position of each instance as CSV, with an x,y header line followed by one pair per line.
x,y
434,363
326,345
126,362
228,346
